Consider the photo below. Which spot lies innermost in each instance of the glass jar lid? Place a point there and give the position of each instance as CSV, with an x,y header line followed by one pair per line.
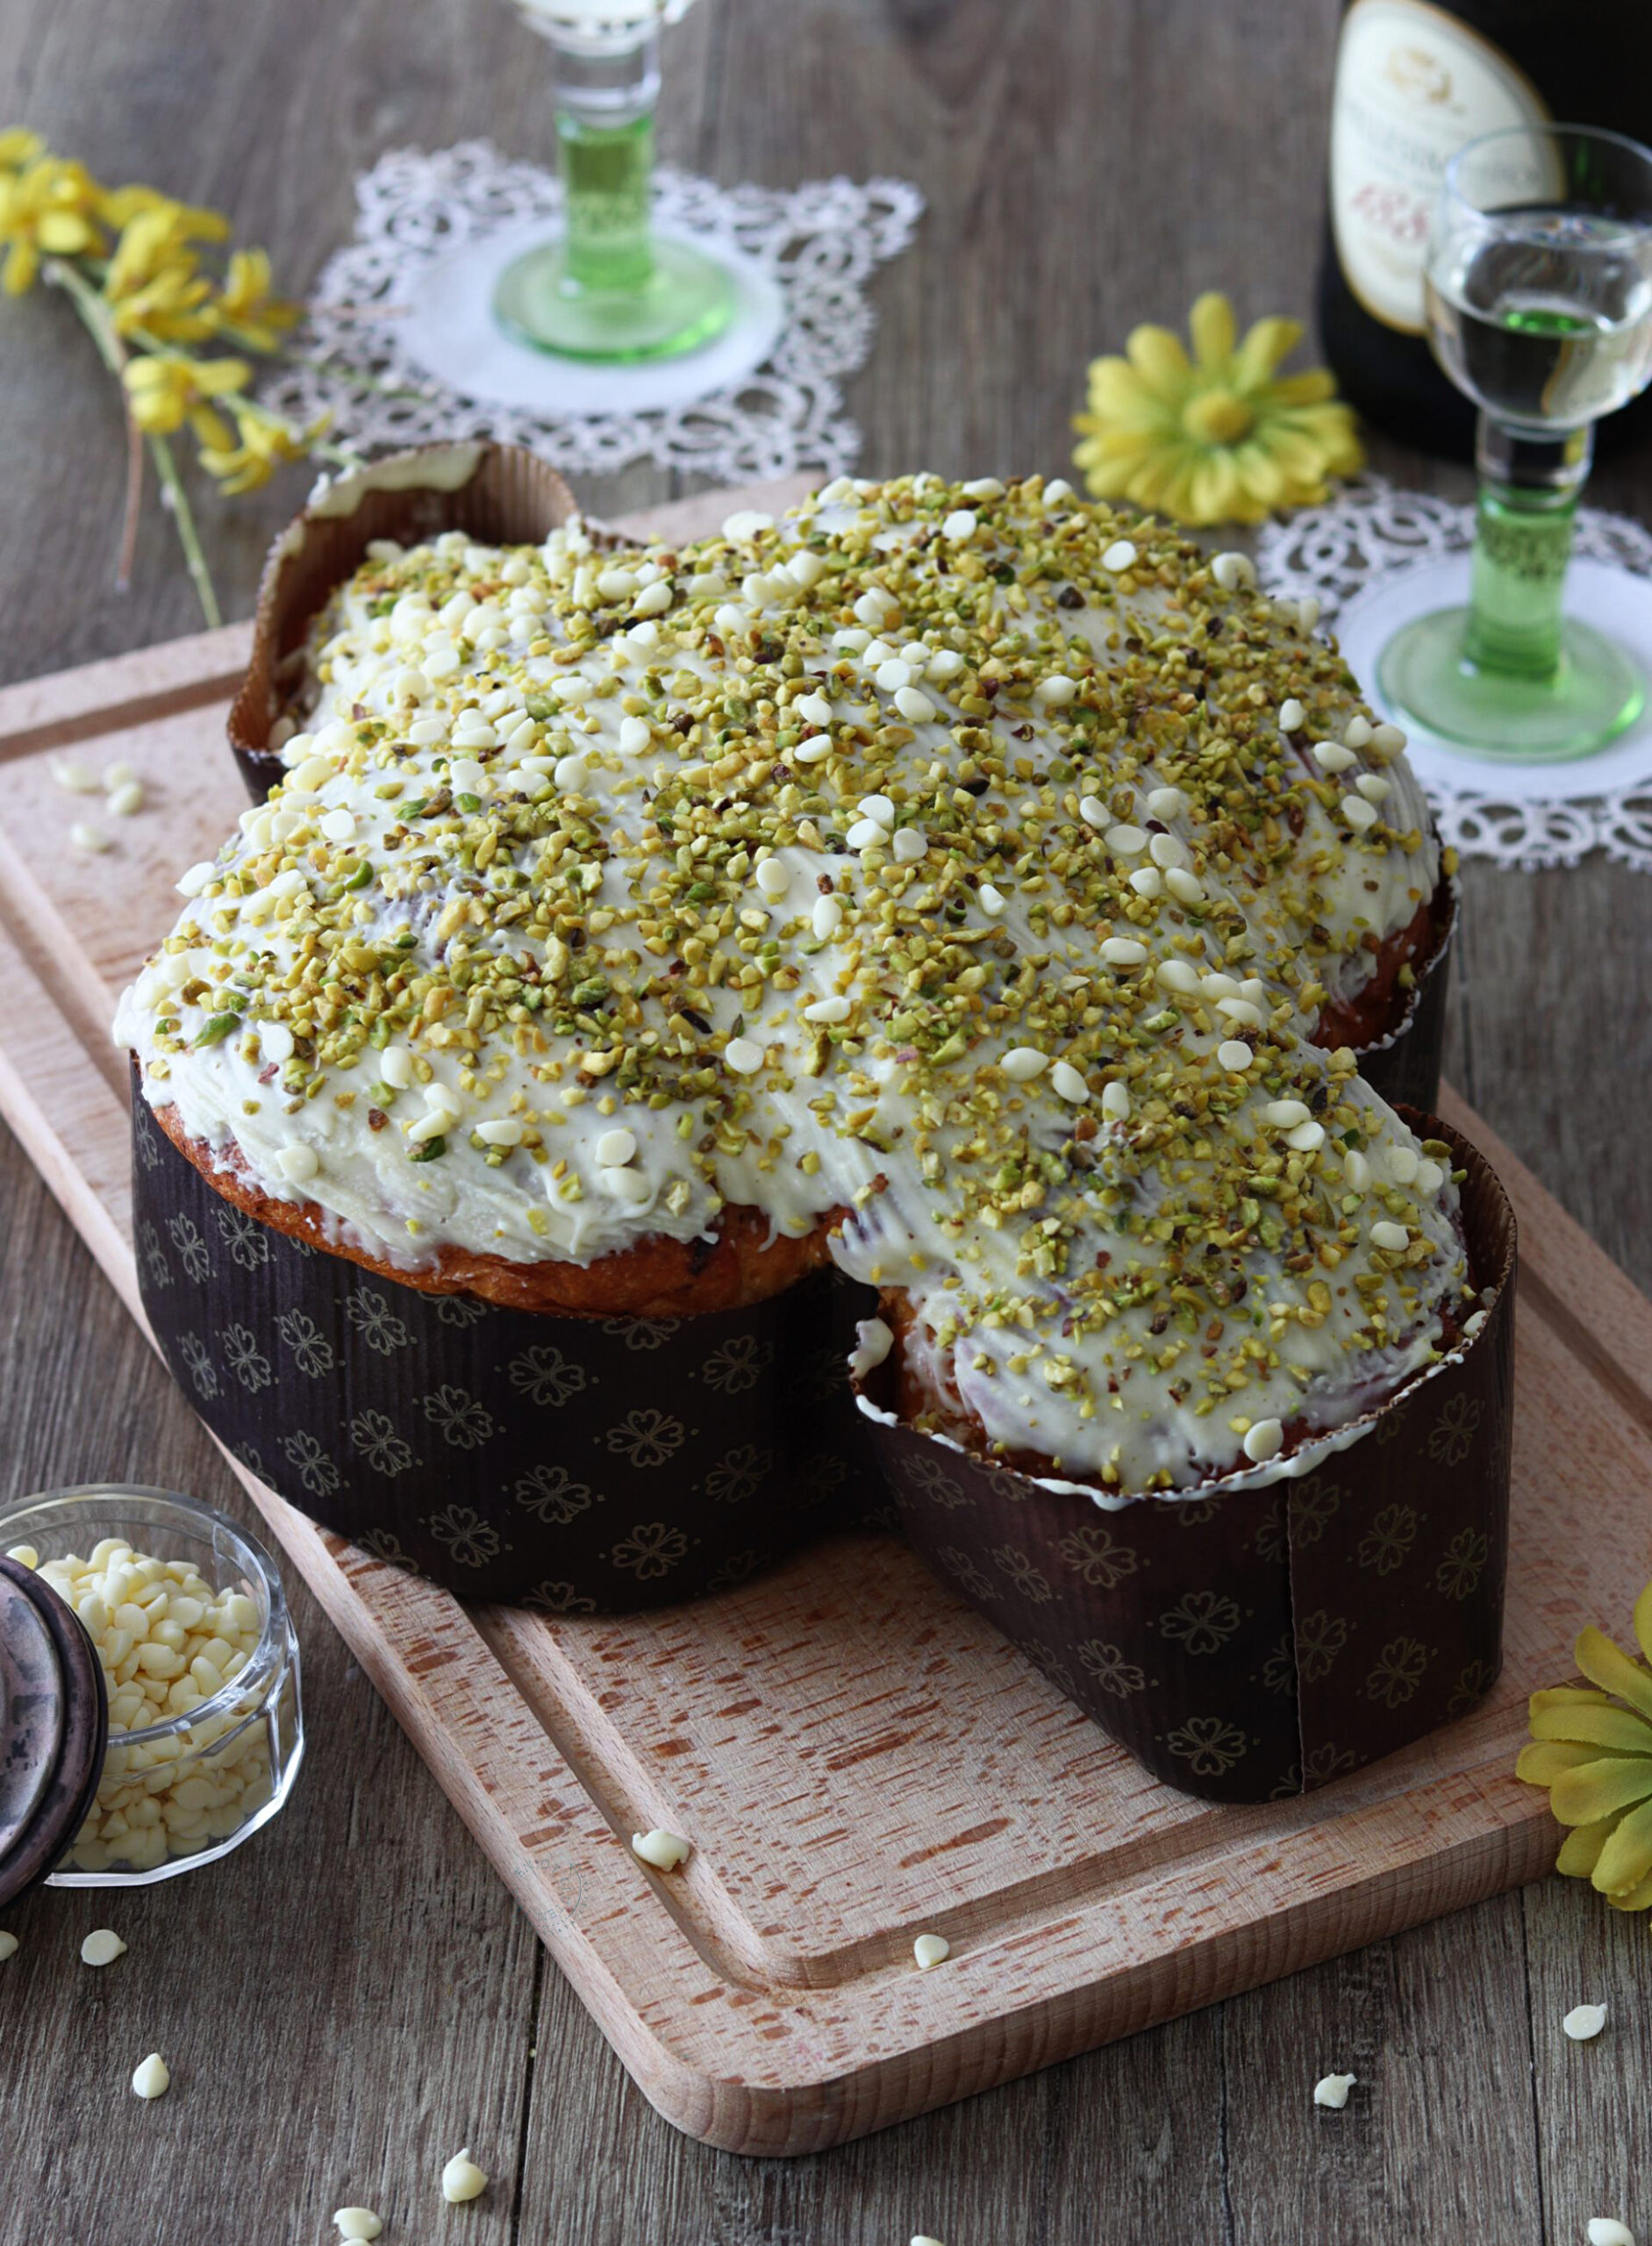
x,y
54,1727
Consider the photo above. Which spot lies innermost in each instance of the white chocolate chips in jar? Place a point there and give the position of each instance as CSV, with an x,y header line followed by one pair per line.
x,y
169,1643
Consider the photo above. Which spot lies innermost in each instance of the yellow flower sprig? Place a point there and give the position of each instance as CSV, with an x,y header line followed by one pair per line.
x,y
1221,437
1594,1753
130,258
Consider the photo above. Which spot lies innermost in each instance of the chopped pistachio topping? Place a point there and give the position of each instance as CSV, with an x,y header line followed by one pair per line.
x,y
942,855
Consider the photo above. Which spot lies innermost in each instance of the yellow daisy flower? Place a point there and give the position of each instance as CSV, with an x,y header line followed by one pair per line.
x,y
1595,1756
245,304
1221,437
264,440
48,209
164,389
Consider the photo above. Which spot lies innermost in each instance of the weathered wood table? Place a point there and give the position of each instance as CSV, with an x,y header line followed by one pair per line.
x,y
356,1991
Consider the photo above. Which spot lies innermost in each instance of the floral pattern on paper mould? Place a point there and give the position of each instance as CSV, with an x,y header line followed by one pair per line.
x,y
648,1437
820,1477
1386,1545
1314,1503
458,1417
244,1238
558,1599
545,1377
1320,1638
193,1252
1044,1657
736,1570
1095,1556
459,1310
1398,1673
739,1474
1458,1575
653,1548
963,1571
373,1435
1111,1671
738,1363
157,1270
313,1352
383,1545
245,1360
199,1358
642,1333
1475,1681
927,1478
311,1463
1279,1670
462,1531
1022,1574
370,1313
1209,1745
1202,1621
551,1493
1451,1438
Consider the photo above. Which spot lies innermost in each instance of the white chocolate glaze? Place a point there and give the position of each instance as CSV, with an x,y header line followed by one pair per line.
x,y
934,857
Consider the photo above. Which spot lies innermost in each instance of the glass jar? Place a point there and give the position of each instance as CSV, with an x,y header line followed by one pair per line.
x,y
185,1790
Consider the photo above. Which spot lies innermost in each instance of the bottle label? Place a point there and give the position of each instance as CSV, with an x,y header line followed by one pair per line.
x,y
1413,85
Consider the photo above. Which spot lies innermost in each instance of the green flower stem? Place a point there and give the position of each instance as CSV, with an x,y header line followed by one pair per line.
x,y
95,313
195,559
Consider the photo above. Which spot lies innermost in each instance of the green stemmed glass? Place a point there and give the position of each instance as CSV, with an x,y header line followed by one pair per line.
x,y
608,289
1539,285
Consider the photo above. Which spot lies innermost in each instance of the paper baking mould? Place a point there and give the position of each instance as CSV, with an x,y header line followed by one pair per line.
x,y
1260,1636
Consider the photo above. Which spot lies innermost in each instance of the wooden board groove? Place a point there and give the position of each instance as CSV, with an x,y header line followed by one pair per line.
x,y
765,1999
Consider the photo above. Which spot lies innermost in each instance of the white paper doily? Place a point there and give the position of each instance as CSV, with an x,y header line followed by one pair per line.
x,y
400,349
1376,556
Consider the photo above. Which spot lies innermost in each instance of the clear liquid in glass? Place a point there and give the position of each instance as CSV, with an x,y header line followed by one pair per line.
x,y
1549,327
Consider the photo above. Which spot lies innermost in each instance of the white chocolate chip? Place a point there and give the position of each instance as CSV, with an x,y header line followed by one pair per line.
x,y
665,1851
832,1009
1331,756
992,901
1285,1112
461,2179
1115,1102
1388,740
1118,557
152,2077
1022,1062
909,846
914,705
1123,951
1069,1085
813,708
102,1946
1292,716
959,525
1234,1056
826,917
1606,2230
1391,1236
1262,1440
1166,803
1357,731
84,836
1585,2022
1126,839
878,807
1233,570
743,1056
929,1949
356,2223
773,879
8,1945
74,777
1057,691
298,1162
745,524
1331,2090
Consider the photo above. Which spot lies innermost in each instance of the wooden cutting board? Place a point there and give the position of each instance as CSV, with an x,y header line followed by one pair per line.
x,y
856,1757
